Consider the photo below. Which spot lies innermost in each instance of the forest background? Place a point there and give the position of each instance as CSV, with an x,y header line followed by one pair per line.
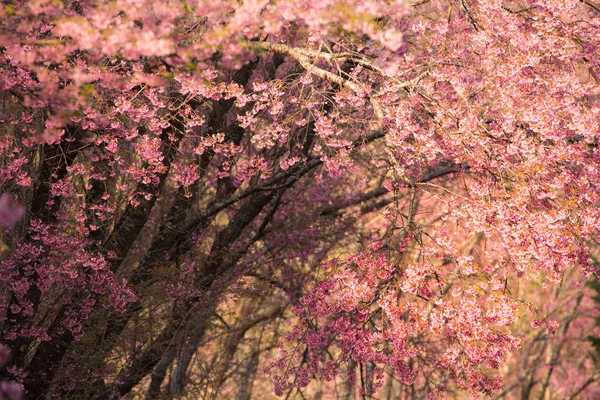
x,y
309,199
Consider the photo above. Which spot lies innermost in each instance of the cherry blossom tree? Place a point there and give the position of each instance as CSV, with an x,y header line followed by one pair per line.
x,y
397,182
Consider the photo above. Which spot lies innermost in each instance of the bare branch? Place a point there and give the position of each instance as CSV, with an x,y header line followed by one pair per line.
x,y
591,4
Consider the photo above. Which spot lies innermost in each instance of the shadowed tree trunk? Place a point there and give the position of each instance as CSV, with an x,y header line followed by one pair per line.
x,y
247,374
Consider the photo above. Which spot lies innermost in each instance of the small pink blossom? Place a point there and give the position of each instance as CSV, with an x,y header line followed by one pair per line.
x,y
11,211
10,390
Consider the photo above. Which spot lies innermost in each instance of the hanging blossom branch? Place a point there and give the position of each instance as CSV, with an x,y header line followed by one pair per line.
x,y
303,57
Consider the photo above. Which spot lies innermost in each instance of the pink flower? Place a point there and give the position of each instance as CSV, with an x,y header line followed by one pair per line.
x,y
11,211
10,390
552,326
